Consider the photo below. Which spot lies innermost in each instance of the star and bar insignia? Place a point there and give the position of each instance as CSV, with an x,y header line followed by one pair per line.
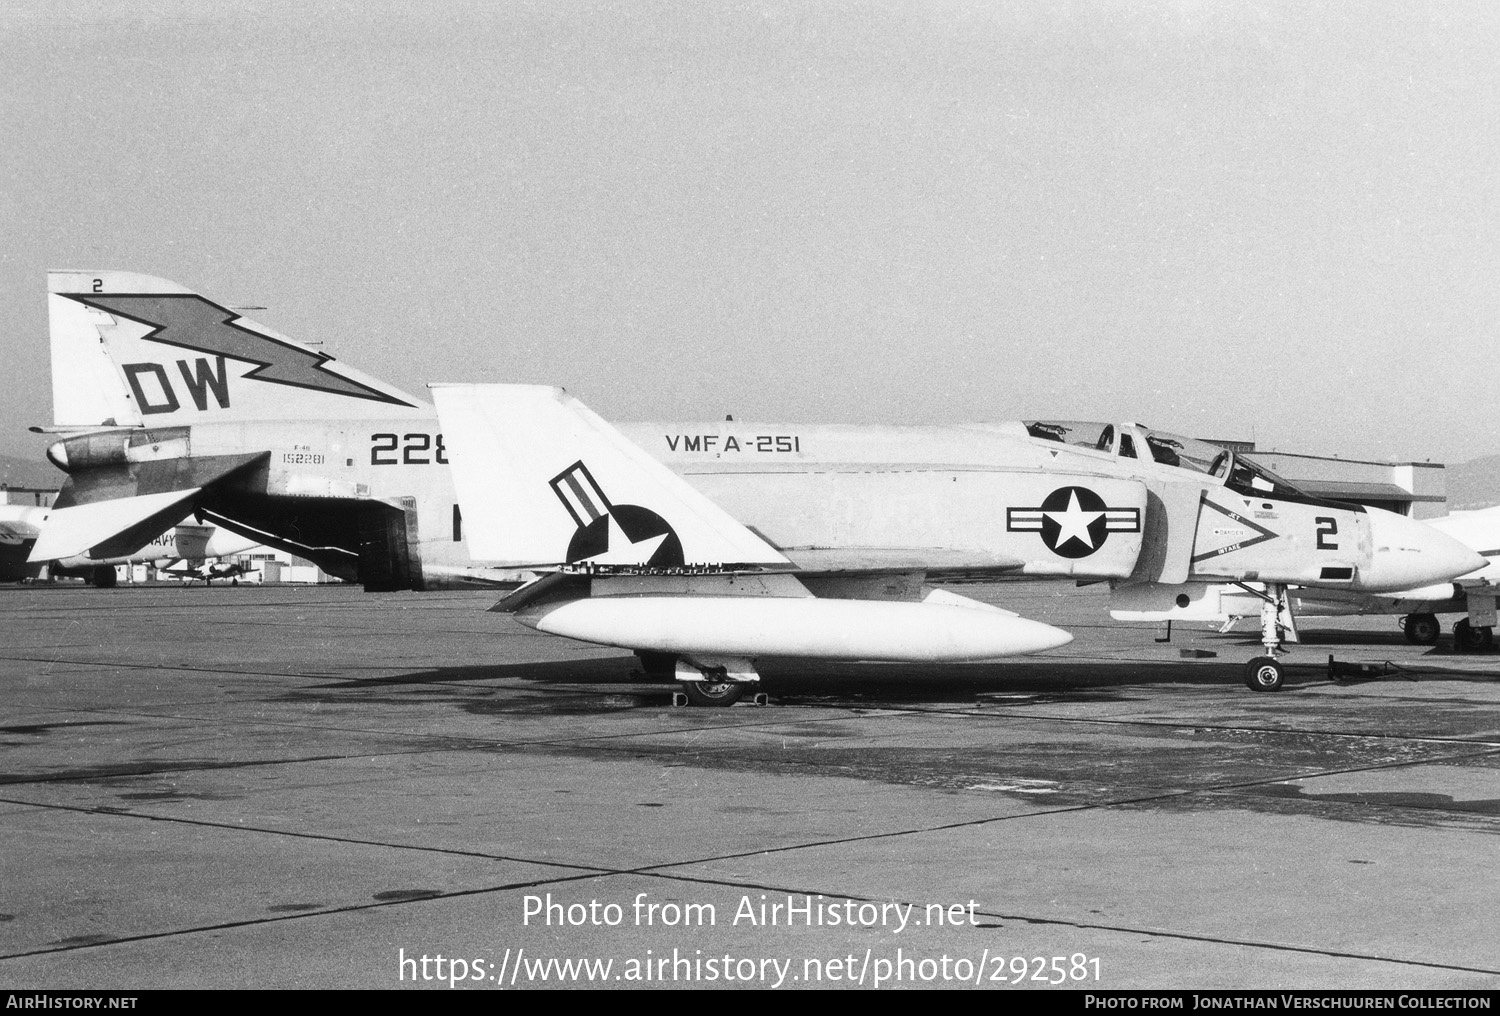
x,y
1073,521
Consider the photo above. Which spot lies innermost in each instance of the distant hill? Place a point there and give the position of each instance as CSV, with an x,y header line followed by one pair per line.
x,y
16,472
1473,484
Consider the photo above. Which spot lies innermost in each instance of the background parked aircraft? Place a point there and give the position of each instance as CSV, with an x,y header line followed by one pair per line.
x,y
204,571
187,542
19,528
169,403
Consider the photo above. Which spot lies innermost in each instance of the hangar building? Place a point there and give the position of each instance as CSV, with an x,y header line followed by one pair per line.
x,y
1414,489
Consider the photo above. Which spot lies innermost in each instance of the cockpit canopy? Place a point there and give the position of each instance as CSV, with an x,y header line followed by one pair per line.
x,y
1132,441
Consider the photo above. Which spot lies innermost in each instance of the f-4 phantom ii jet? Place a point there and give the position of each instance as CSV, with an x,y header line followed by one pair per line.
x,y
831,552
167,404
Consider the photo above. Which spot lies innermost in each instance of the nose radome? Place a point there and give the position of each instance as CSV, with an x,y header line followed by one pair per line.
x,y
1405,554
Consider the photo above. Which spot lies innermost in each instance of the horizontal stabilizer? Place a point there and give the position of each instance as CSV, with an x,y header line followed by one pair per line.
x,y
543,481
110,528
115,511
92,486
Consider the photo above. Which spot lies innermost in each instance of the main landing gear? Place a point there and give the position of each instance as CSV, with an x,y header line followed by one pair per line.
x,y
1421,629
713,693
1468,637
723,682
1265,673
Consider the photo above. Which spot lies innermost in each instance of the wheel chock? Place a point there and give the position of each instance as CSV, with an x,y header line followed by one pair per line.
x,y
760,698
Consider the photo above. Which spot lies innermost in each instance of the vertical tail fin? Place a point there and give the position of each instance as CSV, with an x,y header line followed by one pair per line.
x,y
130,350
543,481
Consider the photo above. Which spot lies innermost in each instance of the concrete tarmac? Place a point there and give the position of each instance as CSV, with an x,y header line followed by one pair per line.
x,y
318,787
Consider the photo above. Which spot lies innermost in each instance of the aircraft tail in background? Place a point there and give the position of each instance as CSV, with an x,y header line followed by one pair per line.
x,y
132,350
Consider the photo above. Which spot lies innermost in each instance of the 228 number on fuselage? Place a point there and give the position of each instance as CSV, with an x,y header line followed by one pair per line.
x,y
417,449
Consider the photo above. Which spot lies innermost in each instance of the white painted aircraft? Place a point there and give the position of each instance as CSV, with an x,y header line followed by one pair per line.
x,y
188,544
19,527
166,403
1473,594
704,572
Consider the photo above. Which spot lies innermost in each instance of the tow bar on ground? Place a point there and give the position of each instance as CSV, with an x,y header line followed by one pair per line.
x,y
1347,672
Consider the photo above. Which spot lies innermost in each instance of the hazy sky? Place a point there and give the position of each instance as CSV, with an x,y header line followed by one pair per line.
x,y
1225,219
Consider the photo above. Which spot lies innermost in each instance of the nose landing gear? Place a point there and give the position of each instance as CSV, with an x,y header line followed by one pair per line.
x,y
1277,625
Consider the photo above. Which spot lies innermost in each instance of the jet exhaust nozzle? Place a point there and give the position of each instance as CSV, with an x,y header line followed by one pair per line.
x,y
118,448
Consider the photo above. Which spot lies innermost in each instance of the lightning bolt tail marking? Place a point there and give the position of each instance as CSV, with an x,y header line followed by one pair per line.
x,y
190,321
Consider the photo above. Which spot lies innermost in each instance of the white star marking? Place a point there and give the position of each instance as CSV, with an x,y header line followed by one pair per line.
x,y
1074,523
620,549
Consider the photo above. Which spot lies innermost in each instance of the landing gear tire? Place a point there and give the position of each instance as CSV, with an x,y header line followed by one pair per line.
x,y
1421,629
1469,639
104,577
713,693
1264,674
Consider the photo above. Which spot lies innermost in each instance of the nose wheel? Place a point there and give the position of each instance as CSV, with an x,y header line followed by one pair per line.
x,y
1264,674
1277,625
